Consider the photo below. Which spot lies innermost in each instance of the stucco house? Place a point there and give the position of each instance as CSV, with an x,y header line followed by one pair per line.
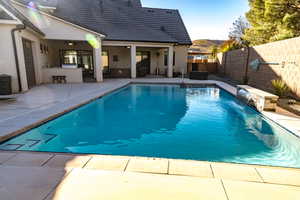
x,y
88,41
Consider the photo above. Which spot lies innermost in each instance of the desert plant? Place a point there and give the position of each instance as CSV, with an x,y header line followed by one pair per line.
x,y
280,88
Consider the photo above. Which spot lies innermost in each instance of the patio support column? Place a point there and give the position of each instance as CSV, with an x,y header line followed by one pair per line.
x,y
133,61
97,51
170,61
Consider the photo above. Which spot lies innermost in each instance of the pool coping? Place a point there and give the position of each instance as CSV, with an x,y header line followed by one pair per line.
x,y
222,85
153,166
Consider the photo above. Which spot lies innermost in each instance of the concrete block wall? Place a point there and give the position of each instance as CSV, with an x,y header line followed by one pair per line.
x,y
286,53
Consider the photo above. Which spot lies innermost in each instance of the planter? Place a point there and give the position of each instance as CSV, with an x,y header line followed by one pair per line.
x,y
293,108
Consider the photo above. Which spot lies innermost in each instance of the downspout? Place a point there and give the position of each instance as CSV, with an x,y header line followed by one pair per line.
x,y
18,28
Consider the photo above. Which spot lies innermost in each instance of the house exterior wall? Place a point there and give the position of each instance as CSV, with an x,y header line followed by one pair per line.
x,y
39,59
7,57
181,58
123,54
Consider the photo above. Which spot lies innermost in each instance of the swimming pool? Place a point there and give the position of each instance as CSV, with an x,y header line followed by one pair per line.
x,y
169,122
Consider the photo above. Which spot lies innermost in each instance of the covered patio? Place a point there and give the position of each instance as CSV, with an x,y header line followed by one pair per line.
x,y
74,59
133,59
79,61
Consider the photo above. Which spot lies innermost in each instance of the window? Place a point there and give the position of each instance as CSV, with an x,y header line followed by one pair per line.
x,y
85,60
166,58
69,57
41,48
82,59
174,58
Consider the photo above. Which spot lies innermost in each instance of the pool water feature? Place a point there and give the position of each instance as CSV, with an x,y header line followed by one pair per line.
x,y
166,121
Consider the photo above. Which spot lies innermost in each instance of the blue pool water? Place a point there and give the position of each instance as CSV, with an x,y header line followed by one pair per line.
x,y
170,122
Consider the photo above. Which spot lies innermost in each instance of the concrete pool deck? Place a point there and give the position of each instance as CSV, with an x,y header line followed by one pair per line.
x,y
49,176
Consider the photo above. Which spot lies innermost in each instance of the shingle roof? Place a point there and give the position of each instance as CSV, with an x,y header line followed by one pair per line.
x,y
7,5
4,15
124,20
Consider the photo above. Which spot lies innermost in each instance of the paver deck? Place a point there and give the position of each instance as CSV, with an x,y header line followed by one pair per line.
x,y
49,176
72,177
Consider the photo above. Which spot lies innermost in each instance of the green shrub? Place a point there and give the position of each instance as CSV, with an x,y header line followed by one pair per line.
x,y
280,88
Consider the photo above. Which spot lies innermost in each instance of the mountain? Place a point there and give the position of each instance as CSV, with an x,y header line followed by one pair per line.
x,y
204,46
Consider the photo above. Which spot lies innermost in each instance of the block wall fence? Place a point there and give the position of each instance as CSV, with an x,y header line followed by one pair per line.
x,y
234,65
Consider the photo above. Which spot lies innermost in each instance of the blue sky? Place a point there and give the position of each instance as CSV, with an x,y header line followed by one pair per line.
x,y
205,19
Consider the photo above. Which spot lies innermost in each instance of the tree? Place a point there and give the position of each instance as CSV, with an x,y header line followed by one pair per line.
x,y
230,45
214,51
272,20
238,29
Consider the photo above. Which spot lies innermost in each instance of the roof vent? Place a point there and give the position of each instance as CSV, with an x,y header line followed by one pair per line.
x,y
162,28
151,11
169,12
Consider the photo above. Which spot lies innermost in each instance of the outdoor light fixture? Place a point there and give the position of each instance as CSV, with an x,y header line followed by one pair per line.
x,y
70,43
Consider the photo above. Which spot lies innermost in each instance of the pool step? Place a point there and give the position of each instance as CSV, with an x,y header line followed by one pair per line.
x,y
10,146
28,142
52,136
34,142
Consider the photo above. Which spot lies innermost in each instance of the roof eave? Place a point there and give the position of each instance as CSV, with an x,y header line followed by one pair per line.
x,y
49,14
147,41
